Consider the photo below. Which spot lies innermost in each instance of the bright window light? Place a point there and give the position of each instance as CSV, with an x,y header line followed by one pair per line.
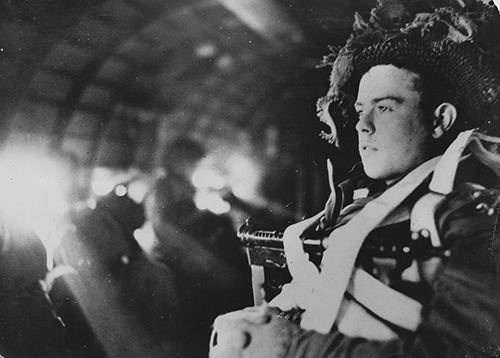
x,y
138,189
209,200
245,176
34,192
146,237
103,181
208,178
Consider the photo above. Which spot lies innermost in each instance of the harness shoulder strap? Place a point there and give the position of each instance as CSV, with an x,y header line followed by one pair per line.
x,y
422,216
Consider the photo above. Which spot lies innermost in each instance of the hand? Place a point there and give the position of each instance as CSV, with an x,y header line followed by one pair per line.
x,y
254,332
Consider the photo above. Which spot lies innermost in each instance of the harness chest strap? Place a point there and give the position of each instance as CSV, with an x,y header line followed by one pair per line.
x,y
387,303
371,293
442,182
390,304
344,243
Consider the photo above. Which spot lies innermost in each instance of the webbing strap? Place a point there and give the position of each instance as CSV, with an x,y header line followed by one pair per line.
x,y
387,303
327,289
321,293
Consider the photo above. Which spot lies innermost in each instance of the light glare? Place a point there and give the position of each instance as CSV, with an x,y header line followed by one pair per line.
x,y
211,201
137,190
121,190
146,237
34,191
207,178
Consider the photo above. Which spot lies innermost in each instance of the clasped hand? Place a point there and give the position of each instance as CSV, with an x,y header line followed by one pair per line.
x,y
253,332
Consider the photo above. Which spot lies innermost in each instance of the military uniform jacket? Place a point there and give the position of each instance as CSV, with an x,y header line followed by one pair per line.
x,y
461,315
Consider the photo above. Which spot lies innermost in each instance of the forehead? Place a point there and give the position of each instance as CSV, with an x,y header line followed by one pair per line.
x,y
387,80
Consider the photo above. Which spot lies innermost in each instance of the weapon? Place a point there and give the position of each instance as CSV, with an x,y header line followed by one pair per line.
x,y
265,248
266,254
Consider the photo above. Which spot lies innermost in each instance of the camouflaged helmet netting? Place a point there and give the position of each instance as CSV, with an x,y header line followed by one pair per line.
x,y
475,82
458,46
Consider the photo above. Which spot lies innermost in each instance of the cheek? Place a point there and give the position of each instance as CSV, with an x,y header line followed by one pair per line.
x,y
408,132
394,138
419,133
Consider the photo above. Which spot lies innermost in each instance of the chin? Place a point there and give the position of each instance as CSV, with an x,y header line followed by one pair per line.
x,y
375,175
377,172
373,171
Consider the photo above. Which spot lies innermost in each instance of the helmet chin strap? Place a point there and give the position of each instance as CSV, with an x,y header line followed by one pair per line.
x,y
444,174
487,157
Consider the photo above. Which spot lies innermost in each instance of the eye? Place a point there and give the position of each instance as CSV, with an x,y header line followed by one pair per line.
x,y
382,109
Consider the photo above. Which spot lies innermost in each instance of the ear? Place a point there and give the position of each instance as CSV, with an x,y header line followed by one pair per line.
x,y
444,116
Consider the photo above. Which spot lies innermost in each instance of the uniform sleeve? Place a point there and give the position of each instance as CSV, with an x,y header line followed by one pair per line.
x,y
463,319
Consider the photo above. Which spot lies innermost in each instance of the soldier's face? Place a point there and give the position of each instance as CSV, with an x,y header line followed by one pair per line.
x,y
393,135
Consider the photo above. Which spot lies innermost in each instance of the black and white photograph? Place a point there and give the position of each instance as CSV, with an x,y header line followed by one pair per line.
x,y
249,179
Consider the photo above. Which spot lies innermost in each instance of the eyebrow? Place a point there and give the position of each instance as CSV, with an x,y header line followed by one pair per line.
x,y
378,99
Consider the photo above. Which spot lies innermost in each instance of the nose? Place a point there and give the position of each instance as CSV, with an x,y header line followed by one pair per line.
x,y
365,123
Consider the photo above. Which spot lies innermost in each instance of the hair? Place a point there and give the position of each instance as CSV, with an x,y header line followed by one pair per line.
x,y
435,90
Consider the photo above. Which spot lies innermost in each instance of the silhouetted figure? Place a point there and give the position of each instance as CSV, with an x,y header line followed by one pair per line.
x,y
28,325
201,248
117,302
